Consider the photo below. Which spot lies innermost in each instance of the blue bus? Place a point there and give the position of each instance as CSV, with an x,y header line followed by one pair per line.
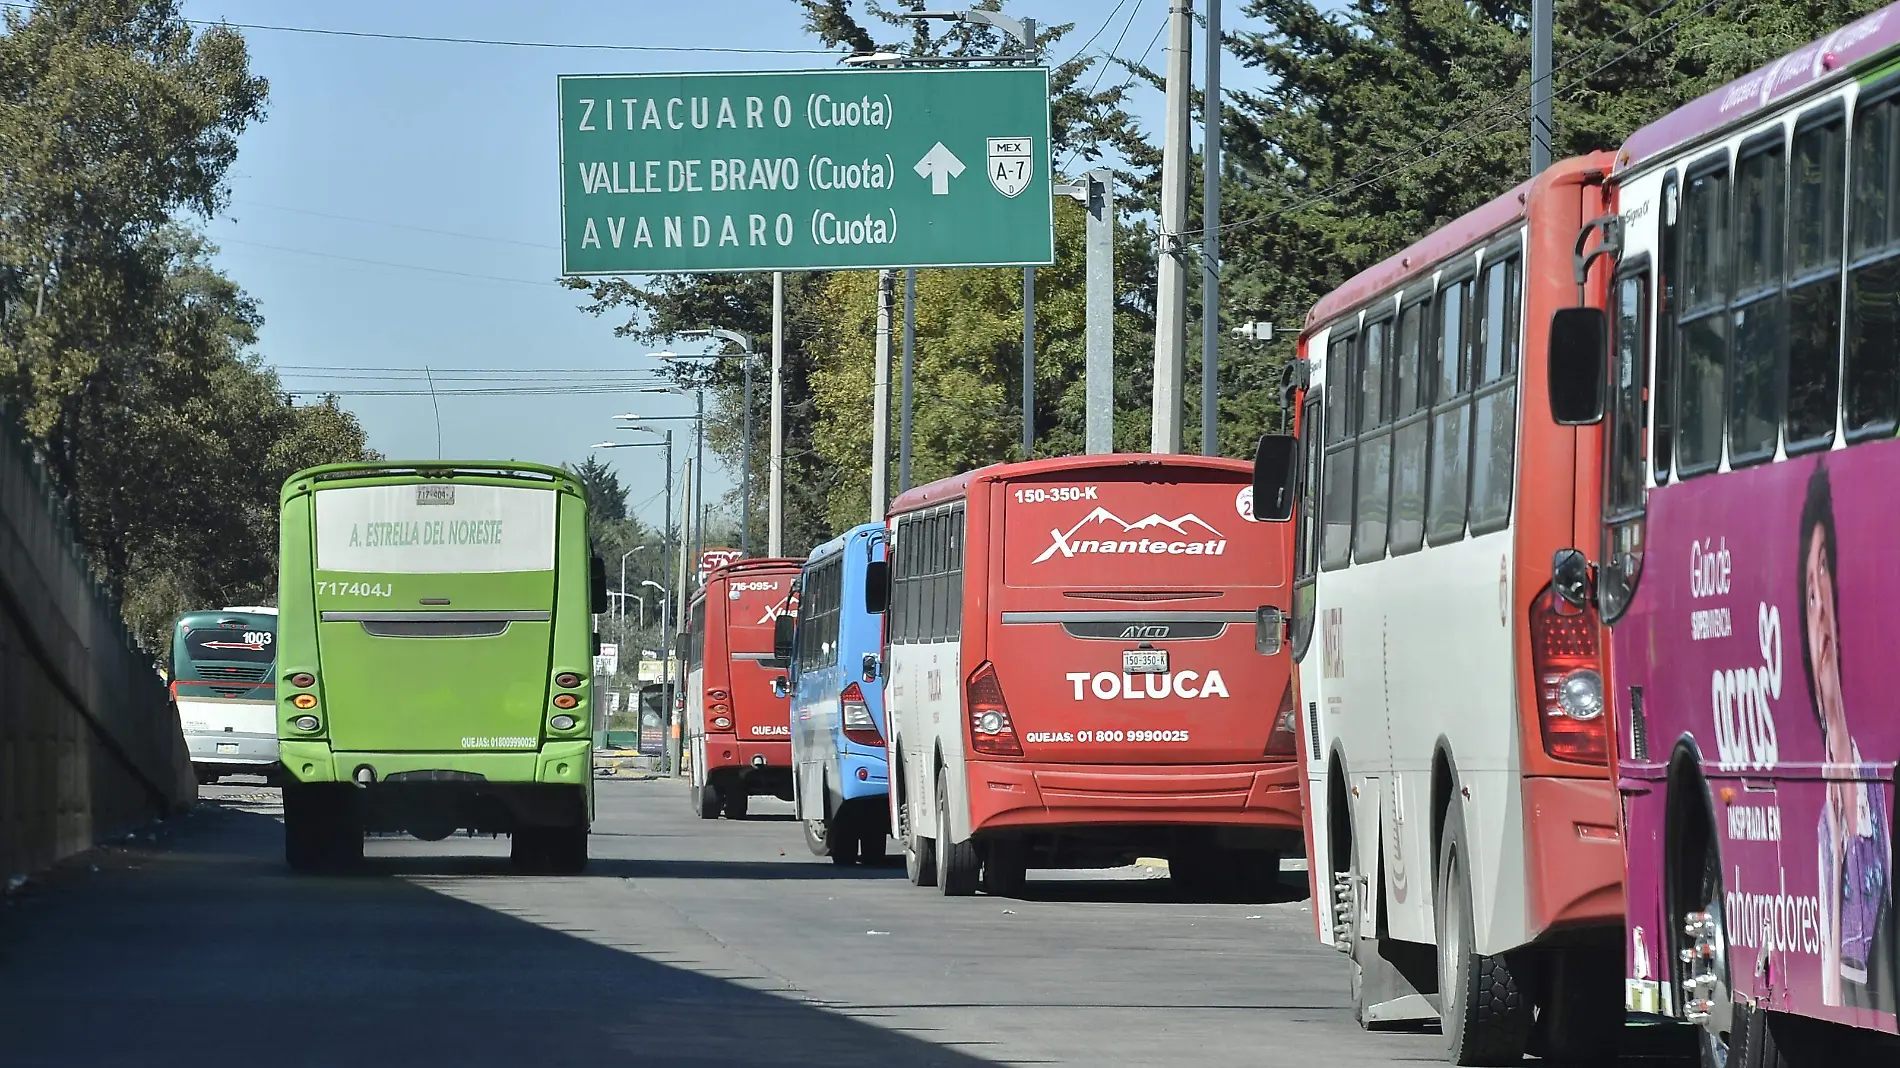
x,y
841,786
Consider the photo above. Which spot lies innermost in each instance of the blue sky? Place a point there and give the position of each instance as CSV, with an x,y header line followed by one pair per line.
x,y
399,207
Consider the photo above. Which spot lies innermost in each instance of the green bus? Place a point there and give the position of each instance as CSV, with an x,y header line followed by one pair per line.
x,y
435,652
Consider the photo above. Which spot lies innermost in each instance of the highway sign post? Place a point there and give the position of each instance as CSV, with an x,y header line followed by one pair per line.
x,y
805,170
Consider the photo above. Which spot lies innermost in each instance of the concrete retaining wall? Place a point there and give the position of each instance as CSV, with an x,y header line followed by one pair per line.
x,y
89,741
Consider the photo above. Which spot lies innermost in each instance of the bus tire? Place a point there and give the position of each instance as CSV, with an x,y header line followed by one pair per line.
x,y
1732,1034
566,850
957,863
706,800
1006,869
842,840
1485,1005
871,847
303,830
920,854
734,803
817,837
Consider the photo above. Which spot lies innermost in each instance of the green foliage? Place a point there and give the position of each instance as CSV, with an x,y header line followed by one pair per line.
x,y
123,353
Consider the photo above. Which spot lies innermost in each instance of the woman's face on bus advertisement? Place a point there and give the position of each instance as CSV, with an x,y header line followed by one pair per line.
x,y
1823,649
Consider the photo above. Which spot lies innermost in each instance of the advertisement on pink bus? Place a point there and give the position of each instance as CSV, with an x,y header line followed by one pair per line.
x,y
1764,639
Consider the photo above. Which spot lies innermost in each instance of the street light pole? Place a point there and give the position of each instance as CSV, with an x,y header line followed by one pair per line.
x,y
775,500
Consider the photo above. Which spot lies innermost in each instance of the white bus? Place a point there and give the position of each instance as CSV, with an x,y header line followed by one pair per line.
x,y
1461,813
223,682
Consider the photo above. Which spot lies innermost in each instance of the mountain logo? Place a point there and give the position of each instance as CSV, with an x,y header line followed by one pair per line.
x,y
1068,544
772,612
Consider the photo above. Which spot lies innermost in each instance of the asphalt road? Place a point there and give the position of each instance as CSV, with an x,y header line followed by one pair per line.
x,y
686,943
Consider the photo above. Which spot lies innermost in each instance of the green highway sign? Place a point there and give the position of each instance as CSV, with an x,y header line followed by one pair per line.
x,y
801,170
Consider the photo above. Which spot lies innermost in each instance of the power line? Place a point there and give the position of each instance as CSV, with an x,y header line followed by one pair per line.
x,y
1354,182
575,390
1114,52
485,41
397,225
451,370
1106,23
386,263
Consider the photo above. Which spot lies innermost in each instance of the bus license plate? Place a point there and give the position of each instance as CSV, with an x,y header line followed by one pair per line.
x,y
1144,661
227,747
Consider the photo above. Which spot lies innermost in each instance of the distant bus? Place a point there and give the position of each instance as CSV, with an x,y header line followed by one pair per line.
x,y
837,711
436,652
223,678
1463,816
738,731
1076,675
1746,555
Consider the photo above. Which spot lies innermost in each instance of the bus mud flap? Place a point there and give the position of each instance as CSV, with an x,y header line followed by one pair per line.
x,y
1387,998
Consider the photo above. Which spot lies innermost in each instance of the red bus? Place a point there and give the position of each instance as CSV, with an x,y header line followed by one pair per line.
x,y
1084,665
738,733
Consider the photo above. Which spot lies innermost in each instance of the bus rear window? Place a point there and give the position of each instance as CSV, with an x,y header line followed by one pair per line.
x,y
754,602
1186,529
249,645
435,528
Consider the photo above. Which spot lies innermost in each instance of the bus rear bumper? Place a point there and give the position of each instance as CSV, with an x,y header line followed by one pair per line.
x,y
1049,796
230,747
862,776
726,751
567,763
1573,853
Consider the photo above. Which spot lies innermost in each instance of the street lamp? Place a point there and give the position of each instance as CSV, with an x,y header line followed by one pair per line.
x,y
666,534
745,356
699,448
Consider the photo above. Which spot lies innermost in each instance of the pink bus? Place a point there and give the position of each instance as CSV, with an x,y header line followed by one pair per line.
x,y
1745,360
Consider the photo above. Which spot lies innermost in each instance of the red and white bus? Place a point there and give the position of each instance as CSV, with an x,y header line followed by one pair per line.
x,y
1075,674
738,732
1465,846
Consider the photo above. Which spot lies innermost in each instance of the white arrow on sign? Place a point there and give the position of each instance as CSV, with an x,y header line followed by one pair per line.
x,y
939,165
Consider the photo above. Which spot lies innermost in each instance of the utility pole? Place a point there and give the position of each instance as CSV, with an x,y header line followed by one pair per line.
x,y
1029,362
745,461
666,654
1171,294
904,379
1541,129
775,518
881,402
1210,237
1099,321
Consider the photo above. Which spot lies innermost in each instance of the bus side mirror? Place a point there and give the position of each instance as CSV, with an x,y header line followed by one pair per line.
x,y
877,587
1579,349
1570,577
597,585
871,667
782,640
1269,630
1275,470
781,687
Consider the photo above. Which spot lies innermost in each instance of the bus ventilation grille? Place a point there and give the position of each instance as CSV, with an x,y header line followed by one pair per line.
x,y
1312,726
1639,727
235,672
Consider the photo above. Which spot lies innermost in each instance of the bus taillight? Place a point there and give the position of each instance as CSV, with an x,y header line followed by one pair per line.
x,y
1569,681
991,731
859,727
1283,743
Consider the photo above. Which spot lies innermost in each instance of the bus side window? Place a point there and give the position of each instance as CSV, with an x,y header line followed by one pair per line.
x,y
1494,393
1871,395
1662,404
1758,315
1373,489
1307,520
954,627
1628,376
1336,503
1409,440
1703,336
1446,478
1818,183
